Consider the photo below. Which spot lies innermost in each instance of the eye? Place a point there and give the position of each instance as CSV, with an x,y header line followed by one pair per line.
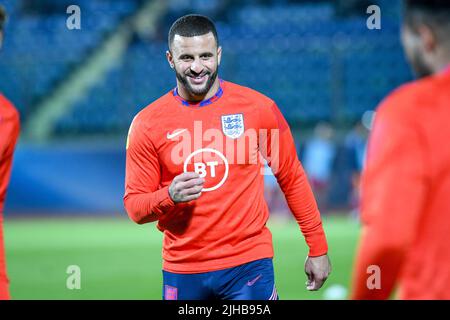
x,y
186,58
206,56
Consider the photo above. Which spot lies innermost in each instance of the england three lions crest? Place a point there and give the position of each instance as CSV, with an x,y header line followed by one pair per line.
x,y
233,125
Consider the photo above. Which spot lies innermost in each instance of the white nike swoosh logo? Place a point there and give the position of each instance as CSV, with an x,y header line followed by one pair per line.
x,y
250,283
174,134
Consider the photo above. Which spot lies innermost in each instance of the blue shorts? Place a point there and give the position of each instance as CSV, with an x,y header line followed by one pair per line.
x,y
249,281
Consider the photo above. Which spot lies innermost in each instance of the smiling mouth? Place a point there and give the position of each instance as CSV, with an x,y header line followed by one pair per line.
x,y
198,79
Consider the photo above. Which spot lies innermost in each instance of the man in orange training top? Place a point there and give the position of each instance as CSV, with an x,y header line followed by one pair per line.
x,y
406,183
9,131
194,165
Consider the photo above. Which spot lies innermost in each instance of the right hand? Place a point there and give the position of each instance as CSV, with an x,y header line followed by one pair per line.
x,y
186,187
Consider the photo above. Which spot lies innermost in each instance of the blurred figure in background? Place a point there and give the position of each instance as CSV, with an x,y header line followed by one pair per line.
x,y
343,168
318,156
9,132
406,182
355,142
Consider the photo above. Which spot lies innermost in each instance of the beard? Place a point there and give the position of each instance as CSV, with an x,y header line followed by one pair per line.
x,y
197,91
414,51
421,69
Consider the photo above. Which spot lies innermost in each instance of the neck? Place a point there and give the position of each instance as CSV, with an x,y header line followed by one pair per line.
x,y
186,95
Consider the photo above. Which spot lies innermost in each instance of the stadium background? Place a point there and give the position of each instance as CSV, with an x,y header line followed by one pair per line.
x,y
78,90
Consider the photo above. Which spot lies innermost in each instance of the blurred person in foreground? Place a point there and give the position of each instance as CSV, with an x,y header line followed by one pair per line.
x,y
194,165
9,132
406,182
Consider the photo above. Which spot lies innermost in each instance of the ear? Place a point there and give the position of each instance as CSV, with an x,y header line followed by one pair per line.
x,y
170,59
219,55
428,37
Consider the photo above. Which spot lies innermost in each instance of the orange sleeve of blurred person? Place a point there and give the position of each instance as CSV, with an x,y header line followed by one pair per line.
x,y
9,133
393,191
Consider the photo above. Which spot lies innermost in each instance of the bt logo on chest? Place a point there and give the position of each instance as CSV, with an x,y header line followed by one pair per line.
x,y
209,164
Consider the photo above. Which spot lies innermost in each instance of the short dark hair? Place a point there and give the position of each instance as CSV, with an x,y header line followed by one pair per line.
x,y
192,25
2,18
434,13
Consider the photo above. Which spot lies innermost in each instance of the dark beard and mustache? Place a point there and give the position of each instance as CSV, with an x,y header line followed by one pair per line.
x,y
417,61
420,68
193,92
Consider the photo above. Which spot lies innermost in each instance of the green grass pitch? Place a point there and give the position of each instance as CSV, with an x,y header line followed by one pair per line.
x,y
121,260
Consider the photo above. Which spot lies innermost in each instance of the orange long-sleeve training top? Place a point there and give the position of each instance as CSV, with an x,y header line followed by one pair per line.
x,y
406,196
9,132
224,139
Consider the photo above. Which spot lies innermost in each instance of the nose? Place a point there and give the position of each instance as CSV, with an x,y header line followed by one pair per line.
x,y
197,66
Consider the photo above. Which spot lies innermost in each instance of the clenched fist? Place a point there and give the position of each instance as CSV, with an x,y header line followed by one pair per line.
x,y
186,187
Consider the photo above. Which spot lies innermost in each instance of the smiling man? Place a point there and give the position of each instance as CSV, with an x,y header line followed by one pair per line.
x,y
194,165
